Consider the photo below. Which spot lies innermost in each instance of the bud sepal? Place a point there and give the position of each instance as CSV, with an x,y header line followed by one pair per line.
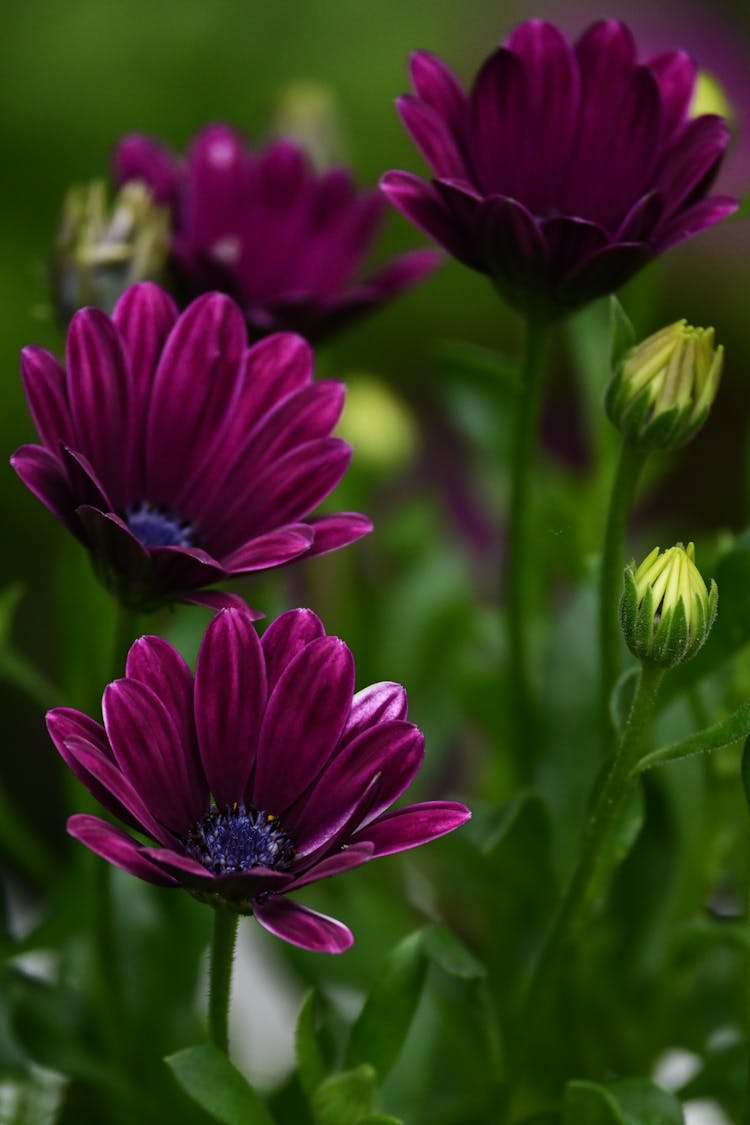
x,y
666,610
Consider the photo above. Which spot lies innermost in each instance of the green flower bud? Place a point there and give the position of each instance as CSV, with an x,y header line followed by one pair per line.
x,y
663,388
666,610
101,250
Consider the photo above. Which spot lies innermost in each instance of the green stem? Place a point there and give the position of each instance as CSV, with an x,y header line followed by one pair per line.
x,y
602,824
125,632
520,570
220,988
621,499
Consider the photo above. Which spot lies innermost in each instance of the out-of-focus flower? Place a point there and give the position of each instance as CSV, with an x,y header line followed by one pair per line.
x,y
284,240
260,775
101,248
178,455
663,389
666,610
567,168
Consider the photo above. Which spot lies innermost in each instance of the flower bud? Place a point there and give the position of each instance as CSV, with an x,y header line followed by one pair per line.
x,y
666,610
663,388
101,250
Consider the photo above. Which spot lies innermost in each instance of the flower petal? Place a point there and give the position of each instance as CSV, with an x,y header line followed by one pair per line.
x,y
604,272
303,722
412,825
121,560
146,743
438,87
138,157
675,72
422,206
344,860
695,219
692,160
230,697
379,703
500,103
272,549
285,638
116,847
43,475
301,926
338,529
44,382
221,599
515,251
432,136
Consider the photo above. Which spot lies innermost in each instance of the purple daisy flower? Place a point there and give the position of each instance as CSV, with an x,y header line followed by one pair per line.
x,y
178,455
284,240
255,777
566,168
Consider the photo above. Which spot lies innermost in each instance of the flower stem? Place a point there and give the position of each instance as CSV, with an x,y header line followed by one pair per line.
x,y
602,824
623,489
124,633
520,570
222,957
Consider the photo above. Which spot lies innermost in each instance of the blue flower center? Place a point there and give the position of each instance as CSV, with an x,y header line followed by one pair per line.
x,y
156,527
236,838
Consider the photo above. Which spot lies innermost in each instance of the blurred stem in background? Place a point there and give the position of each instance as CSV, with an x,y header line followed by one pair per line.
x,y
520,568
220,988
625,482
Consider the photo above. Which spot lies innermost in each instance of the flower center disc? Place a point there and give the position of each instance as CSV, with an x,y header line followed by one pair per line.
x,y
155,527
237,839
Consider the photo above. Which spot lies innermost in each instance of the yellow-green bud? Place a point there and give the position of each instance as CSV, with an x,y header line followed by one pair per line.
x,y
666,610
663,388
100,249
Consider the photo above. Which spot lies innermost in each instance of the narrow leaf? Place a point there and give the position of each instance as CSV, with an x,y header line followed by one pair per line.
x,y
345,1098
622,333
312,1067
586,1103
385,1019
643,1101
450,954
210,1079
731,729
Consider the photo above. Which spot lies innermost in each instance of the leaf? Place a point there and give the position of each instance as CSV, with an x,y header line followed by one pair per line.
x,y
586,1103
622,333
210,1079
385,1019
622,697
345,1098
450,954
745,770
645,1103
727,731
379,1119
312,1066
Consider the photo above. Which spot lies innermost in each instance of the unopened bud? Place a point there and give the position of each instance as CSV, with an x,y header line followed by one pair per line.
x,y
666,610
100,249
663,388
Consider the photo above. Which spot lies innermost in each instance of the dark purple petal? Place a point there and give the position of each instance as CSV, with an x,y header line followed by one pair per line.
x,y
692,221
639,223
412,825
84,480
438,87
301,926
337,530
43,475
500,123
144,317
230,697
98,393
515,251
675,73
604,272
138,157
45,385
379,703
154,662
103,779
116,847
285,638
146,743
392,750
305,716
552,83
272,549
192,394
120,558
237,886
287,490
692,160
217,185
570,241
432,136
344,860
402,272
422,205
220,599
176,569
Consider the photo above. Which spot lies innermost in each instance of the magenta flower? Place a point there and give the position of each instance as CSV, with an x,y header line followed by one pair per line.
x,y
260,775
178,455
284,240
567,168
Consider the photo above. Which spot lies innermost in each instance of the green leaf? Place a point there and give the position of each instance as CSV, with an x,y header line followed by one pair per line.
x,y
622,333
729,730
622,697
345,1098
586,1103
385,1019
210,1079
310,1060
379,1119
645,1103
450,954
